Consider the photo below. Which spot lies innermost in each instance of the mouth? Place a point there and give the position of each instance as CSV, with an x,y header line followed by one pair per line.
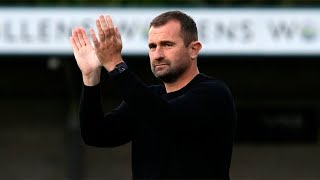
x,y
159,65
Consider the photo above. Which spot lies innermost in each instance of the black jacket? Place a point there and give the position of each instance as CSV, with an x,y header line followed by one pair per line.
x,y
187,134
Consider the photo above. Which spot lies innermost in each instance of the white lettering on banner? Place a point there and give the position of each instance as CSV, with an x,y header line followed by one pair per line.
x,y
223,31
42,31
240,31
292,30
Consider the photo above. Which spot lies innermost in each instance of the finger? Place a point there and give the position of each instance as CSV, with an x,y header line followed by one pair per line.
x,y
85,37
100,31
73,44
75,37
104,26
117,33
94,38
80,36
110,26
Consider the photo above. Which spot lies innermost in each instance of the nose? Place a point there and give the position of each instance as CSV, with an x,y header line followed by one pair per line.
x,y
158,53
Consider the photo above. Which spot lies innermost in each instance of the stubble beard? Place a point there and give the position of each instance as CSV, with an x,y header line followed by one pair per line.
x,y
168,74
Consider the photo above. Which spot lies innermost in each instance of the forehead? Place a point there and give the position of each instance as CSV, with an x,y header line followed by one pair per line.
x,y
171,30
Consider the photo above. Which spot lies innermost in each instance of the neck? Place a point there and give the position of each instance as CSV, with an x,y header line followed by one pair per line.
x,y
182,81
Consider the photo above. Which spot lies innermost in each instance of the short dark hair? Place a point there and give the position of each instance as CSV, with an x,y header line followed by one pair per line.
x,y
189,29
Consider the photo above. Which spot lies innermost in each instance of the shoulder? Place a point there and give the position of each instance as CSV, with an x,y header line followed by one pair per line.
x,y
210,83
211,89
216,92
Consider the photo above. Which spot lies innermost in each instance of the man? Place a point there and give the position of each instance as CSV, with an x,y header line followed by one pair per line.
x,y
181,129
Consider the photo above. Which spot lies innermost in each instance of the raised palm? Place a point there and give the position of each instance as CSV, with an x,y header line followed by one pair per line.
x,y
84,52
109,45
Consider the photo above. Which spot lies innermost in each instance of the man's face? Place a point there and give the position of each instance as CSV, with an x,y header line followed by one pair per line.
x,y
169,57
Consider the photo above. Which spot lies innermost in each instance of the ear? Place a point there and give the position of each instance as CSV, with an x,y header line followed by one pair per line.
x,y
195,48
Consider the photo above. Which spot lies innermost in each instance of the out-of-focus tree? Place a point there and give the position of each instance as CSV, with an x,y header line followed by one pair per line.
x,y
101,2
163,2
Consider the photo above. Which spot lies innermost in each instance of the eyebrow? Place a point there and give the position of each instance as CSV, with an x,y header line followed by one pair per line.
x,y
162,43
166,42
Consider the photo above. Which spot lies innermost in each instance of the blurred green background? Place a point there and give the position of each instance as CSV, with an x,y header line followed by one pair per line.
x,y
276,3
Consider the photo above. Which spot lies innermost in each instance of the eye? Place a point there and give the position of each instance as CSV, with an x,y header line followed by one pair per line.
x,y
152,46
168,44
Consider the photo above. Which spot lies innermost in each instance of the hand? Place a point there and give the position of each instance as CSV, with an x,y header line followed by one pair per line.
x,y
85,56
109,46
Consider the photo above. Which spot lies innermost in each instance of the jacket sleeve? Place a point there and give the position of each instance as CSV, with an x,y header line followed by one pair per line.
x,y
99,129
